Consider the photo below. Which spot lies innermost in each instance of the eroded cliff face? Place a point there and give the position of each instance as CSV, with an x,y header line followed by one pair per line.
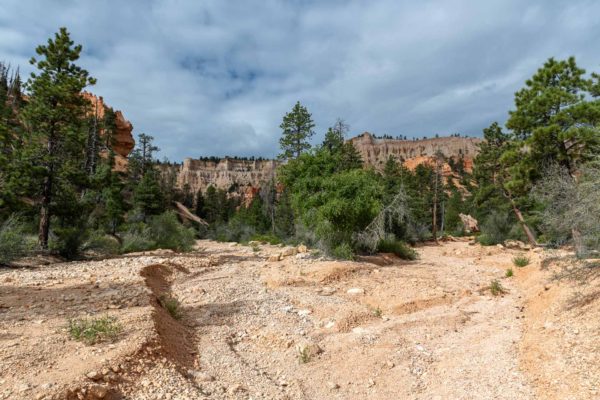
x,y
122,142
243,177
375,152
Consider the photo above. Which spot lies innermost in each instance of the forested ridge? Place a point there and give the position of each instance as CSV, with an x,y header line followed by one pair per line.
x,y
536,179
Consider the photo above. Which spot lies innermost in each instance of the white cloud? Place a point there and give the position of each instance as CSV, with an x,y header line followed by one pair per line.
x,y
215,77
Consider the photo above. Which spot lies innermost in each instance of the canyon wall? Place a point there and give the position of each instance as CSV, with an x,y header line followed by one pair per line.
x,y
375,152
245,177
122,141
236,175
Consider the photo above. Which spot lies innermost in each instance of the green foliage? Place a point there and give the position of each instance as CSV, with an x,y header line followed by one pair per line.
x,y
172,305
162,232
509,273
68,240
137,238
495,229
168,233
94,330
148,197
521,261
343,252
496,288
14,242
102,244
55,117
297,127
397,247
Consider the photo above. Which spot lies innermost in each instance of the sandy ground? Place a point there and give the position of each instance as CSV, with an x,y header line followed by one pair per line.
x,y
305,327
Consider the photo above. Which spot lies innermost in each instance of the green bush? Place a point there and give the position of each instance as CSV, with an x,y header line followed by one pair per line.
x,y
397,247
101,243
94,330
495,229
137,238
168,233
342,252
162,232
521,261
67,240
509,272
14,242
496,288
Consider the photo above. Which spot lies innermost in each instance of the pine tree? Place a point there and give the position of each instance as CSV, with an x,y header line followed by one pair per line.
x,y
54,117
297,127
555,119
334,138
148,196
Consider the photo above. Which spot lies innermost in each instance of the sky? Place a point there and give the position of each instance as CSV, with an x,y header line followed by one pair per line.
x,y
215,77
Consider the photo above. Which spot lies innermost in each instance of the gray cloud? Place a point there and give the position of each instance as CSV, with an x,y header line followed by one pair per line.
x,y
215,77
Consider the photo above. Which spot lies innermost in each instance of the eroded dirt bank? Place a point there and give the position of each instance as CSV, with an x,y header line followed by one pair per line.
x,y
303,327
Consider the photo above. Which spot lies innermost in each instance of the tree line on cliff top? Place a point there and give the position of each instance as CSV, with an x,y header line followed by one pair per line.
x,y
61,193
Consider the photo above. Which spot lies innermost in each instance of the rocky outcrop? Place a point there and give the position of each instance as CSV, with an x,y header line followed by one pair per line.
x,y
122,142
243,177
375,152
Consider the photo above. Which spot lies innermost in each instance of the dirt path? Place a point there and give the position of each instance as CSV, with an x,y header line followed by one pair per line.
x,y
298,328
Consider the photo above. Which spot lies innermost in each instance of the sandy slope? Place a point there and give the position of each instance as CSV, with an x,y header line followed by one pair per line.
x,y
252,329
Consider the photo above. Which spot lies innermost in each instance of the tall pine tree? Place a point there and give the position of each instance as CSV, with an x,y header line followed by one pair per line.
x,y
297,127
54,118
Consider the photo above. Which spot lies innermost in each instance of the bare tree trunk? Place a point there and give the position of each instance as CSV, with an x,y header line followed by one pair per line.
x,y
526,229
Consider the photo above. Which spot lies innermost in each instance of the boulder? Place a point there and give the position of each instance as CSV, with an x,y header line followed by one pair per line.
x,y
469,223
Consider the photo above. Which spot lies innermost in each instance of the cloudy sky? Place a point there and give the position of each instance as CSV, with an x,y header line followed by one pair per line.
x,y
214,77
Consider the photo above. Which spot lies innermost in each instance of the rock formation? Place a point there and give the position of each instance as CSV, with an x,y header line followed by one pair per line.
x,y
245,177
375,152
122,141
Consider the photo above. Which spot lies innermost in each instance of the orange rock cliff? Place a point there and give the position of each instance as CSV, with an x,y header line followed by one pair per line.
x,y
123,142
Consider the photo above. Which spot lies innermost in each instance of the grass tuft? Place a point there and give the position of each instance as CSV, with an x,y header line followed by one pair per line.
x,y
94,330
521,261
496,288
304,355
172,305
397,247
509,273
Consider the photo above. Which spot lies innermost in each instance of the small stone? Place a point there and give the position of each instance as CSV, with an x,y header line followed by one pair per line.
x,y
355,291
332,385
200,376
304,313
274,258
94,376
98,391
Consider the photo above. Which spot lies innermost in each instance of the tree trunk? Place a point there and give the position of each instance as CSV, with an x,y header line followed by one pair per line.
x,y
526,229
44,228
